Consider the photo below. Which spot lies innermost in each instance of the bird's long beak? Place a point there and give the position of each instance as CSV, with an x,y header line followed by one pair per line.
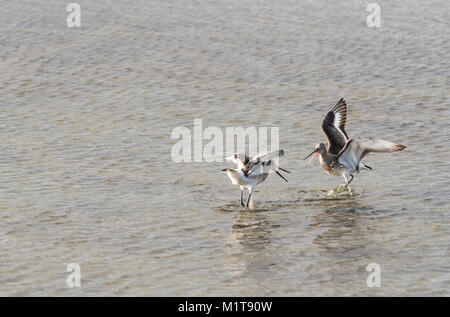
x,y
314,154
225,170
315,151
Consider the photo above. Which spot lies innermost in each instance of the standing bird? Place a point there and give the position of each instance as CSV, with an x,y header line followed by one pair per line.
x,y
252,171
343,155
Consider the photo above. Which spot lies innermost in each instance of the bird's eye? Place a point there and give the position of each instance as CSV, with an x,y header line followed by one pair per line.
x,y
235,156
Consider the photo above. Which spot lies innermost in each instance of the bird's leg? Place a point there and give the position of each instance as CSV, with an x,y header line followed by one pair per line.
x,y
250,190
248,199
242,198
348,182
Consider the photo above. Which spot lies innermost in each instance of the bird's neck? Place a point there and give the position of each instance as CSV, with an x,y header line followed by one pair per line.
x,y
326,158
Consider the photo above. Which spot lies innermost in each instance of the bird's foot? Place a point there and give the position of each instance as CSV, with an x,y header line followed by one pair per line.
x,y
250,205
348,188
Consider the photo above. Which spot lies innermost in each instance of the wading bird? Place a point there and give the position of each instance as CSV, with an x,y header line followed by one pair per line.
x,y
253,171
343,155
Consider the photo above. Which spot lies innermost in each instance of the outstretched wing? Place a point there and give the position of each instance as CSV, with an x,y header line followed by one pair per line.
x,y
261,157
267,155
333,126
355,150
264,164
239,159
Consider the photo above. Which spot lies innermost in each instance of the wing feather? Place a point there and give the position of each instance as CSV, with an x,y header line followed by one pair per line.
x,y
262,163
355,150
261,158
333,126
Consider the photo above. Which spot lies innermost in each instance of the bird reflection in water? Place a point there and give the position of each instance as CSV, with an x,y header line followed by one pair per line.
x,y
250,250
343,240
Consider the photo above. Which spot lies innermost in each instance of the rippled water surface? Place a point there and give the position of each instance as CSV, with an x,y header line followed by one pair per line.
x,y
86,174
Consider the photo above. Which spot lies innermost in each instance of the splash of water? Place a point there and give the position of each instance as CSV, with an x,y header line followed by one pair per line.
x,y
340,190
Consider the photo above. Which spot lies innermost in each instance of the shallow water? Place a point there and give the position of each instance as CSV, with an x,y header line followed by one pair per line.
x,y
86,174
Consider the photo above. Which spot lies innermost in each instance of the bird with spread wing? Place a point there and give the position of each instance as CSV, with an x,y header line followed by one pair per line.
x,y
253,171
343,155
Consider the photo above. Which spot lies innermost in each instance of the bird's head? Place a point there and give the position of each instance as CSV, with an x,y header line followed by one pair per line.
x,y
319,149
228,170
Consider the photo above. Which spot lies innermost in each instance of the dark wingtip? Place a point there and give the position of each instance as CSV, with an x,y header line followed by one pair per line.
x,y
340,105
342,100
400,147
